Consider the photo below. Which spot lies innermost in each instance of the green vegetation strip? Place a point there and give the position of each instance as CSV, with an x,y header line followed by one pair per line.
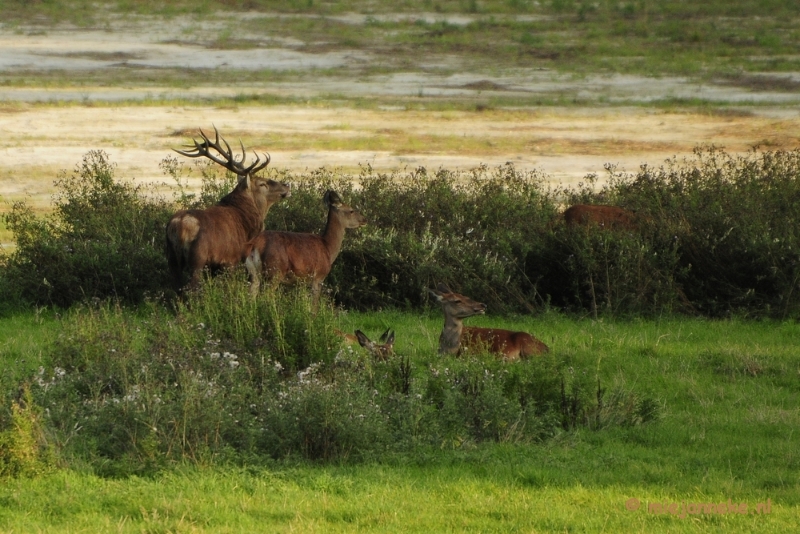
x,y
728,391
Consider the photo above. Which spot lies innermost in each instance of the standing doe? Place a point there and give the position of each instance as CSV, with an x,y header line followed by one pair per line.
x,y
214,237
456,338
288,256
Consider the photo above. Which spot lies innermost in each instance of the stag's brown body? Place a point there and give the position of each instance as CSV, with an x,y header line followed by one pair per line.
x,y
288,256
214,237
610,217
457,338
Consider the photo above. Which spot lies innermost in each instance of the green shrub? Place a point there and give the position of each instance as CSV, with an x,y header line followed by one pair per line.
x,y
713,237
730,218
104,239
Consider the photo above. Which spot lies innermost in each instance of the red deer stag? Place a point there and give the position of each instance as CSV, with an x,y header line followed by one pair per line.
x,y
214,237
455,337
609,217
287,256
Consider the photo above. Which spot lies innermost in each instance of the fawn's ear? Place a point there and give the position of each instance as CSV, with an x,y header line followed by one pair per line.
x,y
363,340
385,335
442,287
389,340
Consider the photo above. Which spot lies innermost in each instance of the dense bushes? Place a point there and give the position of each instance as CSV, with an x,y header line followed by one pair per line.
x,y
715,237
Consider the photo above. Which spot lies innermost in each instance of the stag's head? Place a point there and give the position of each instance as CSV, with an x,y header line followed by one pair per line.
x,y
456,305
266,192
349,217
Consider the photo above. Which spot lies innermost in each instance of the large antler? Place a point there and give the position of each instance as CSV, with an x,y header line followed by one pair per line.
x,y
230,162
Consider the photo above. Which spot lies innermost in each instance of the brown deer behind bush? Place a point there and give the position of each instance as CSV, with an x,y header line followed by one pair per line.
x,y
288,256
608,217
214,237
457,338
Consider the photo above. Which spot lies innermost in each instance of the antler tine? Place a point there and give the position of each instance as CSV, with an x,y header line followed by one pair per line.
x,y
230,162
255,167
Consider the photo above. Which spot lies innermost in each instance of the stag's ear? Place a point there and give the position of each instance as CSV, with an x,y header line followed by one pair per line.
x,y
442,287
331,198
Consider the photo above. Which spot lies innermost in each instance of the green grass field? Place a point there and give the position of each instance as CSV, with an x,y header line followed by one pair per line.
x,y
728,392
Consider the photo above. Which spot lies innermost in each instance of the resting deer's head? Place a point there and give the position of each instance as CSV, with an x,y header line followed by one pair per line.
x,y
456,305
380,350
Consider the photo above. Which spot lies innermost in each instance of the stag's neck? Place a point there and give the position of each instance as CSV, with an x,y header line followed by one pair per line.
x,y
333,235
251,215
450,338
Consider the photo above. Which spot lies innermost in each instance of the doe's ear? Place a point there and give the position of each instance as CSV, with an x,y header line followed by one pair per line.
x,y
437,295
332,198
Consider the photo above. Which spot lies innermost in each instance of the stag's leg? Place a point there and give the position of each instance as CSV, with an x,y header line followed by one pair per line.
x,y
253,266
175,267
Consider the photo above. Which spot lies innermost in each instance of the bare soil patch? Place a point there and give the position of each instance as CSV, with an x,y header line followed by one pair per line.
x,y
564,143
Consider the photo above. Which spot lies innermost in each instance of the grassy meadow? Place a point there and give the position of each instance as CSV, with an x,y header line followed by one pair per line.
x,y
728,43
726,431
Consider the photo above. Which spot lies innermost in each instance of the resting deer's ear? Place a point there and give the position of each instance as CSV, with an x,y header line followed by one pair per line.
x,y
436,295
442,287
388,334
389,341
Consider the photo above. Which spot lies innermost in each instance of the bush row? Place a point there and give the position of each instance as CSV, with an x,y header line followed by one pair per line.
x,y
716,237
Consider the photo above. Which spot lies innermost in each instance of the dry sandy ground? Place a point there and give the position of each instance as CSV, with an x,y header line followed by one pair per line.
x,y
40,140
566,144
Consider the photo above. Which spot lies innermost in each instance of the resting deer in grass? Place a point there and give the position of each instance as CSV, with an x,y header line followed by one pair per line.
x,y
381,350
608,217
214,237
288,256
456,338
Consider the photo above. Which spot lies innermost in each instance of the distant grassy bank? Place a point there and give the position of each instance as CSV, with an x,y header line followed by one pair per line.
x,y
732,43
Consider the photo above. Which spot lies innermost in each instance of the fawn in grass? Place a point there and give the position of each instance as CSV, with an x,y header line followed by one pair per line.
x,y
380,350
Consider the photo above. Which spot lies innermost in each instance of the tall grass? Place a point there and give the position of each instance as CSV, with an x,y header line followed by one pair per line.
x,y
230,378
